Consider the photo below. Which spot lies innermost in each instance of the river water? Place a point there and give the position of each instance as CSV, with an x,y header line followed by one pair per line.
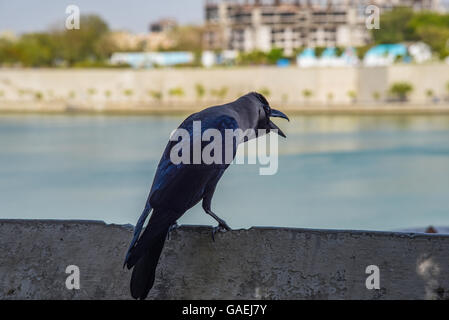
x,y
338,172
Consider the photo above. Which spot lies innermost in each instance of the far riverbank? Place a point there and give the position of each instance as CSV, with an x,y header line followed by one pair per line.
x,y
136,108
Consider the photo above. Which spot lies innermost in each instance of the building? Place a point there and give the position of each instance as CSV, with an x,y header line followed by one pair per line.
x,y
261,25
163,25
126,41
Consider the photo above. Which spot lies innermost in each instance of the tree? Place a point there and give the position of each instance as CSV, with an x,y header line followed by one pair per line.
x,y
176,92
31,50
376,95
82,44
253,57
319,51
361,51
307,93
200,91
156,95
395,26
403,24
352,95
401,90
436,37
274,55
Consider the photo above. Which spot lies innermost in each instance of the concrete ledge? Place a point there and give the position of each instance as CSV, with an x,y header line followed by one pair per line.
x,y
259,263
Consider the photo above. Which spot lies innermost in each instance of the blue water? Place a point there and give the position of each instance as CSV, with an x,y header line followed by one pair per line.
x,y
339,172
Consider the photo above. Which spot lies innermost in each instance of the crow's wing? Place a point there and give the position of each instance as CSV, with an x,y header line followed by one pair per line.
x,y
169,176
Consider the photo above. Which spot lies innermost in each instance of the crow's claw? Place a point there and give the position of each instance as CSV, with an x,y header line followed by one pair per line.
x,y
222,227
174,226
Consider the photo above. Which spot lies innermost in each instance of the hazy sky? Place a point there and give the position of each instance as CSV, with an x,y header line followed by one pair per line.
x,y
133,15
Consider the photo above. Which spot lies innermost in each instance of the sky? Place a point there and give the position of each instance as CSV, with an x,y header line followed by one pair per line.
x,y
21,16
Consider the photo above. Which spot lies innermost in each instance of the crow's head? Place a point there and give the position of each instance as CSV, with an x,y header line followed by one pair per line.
x,y
265,112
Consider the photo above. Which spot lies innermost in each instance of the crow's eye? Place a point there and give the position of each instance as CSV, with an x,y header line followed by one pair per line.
x,y
267,111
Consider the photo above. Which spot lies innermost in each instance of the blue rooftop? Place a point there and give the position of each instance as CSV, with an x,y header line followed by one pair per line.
x,y
330,52
308,53
396,49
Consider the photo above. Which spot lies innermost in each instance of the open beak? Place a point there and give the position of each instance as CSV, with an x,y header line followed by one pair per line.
x,y
277,114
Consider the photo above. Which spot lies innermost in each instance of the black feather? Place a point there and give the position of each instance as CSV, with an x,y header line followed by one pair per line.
x,y
142,278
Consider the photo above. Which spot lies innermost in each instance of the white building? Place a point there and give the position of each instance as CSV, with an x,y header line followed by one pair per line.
x,y
261,25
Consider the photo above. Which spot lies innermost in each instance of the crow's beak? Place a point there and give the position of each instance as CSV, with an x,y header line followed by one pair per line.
x,y
275,127
277,114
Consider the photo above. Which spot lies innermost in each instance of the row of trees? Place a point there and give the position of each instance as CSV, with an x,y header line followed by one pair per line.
x,y
92,44
398,91
88,45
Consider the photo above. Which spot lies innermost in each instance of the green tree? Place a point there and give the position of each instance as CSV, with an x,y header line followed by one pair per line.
x,y
274,55
307,93
395,27
31,50
400,90
250,58
156,95
200,91
361,51
128,92
176,92
403,24
376,95
82,44
352,95
436,37
38,95
319,51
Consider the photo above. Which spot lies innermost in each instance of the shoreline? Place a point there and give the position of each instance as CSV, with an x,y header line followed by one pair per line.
x,y
172,109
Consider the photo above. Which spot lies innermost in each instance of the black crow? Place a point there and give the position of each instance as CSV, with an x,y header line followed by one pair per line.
x,y
178,187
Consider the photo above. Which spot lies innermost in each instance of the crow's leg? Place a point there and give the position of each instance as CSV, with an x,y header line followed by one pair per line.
x,y
174,226
207,199
222,225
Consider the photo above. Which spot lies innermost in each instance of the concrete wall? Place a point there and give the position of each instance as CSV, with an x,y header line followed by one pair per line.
x,y
269,263
100,89
422,78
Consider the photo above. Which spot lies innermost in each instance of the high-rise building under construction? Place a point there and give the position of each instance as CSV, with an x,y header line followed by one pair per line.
x,y
261,25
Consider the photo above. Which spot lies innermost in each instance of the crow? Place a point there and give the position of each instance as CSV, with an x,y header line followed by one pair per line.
x,y
177,187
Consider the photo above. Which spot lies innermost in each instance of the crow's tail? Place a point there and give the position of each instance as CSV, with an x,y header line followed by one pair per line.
x,y
137,230
144,271
144,253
